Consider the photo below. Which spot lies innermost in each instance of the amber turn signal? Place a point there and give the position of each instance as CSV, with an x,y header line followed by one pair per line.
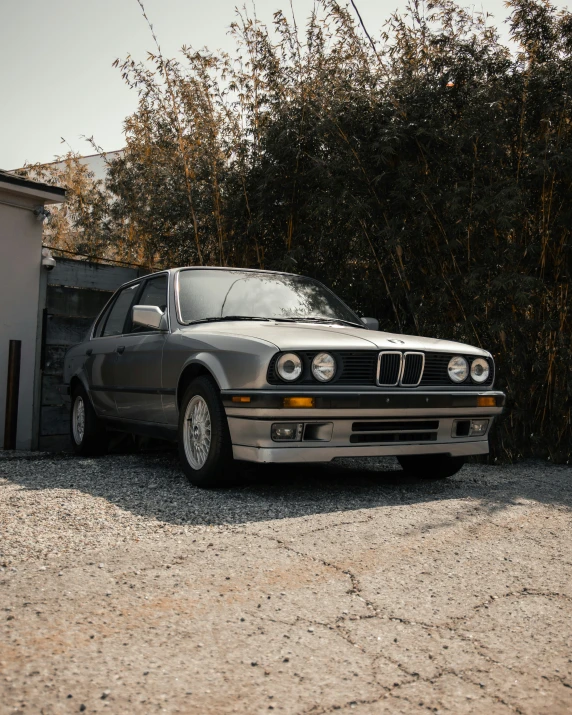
x,y
240,398
298,402
486,401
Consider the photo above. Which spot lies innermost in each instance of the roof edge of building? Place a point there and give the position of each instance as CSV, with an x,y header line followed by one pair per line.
x,y
14,182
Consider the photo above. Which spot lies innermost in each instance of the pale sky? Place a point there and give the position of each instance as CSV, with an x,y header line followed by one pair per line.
x,y
56,78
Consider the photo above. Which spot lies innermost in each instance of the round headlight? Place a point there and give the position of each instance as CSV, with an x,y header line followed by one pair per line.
x,y
480,370
323,367
289,367
458,369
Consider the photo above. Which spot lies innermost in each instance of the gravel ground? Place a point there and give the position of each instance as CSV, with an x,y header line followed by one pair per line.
x,y
347,587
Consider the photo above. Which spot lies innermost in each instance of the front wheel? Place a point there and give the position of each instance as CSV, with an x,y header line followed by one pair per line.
x,y
205,447
431,466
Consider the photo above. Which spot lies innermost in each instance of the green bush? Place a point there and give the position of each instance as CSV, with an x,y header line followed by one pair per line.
x,y
426,178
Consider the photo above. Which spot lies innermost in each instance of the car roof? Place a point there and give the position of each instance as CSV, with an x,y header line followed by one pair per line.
x,y
230,268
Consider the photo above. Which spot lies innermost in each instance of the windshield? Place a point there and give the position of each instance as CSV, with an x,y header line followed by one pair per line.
x,y
214,294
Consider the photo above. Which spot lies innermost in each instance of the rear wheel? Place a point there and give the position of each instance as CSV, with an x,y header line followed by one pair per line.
x,y
431,466
88,434
205,447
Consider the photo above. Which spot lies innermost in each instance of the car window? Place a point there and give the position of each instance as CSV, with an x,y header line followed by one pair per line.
x,y
207,294
154,293
101,320
116,319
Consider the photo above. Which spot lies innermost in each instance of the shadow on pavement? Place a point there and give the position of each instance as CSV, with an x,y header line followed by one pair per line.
x,y
150,484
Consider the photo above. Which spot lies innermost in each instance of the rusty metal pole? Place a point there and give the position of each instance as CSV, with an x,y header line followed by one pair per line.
x,y
12,394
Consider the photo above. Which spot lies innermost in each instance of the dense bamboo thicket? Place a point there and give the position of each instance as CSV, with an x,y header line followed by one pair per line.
x,y
424,174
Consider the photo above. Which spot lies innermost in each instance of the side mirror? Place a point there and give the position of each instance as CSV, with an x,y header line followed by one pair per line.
x,y
150,316
370,323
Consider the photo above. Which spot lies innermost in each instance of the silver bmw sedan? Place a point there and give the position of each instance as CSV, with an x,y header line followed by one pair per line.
x,y
259,366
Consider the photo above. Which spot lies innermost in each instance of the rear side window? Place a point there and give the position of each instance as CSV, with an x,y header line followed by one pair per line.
x,y
119,310
154,293
101,320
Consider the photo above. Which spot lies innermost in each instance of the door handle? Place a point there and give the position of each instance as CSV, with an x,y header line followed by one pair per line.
x,y
89,351
120,349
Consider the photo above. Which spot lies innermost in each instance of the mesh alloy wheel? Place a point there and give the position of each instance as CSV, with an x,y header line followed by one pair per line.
x,y
78,420
197,432
88,434
205,446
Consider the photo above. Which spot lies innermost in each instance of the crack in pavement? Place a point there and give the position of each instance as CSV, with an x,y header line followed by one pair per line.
x,y
452,625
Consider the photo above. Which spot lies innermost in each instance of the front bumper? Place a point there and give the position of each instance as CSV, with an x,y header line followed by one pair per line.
x,y
339,425
282,455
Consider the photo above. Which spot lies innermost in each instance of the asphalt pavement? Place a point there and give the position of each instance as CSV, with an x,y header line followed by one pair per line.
x,y
311,589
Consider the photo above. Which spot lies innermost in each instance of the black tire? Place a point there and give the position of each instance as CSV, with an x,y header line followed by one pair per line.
x,y
94,440
213,467
431,466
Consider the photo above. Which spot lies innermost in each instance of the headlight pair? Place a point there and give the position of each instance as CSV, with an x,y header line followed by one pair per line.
x,y
458,369
289,367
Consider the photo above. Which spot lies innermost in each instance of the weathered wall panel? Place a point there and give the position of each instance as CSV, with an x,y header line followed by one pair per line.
x,y
64,300
77,291
54,420
50,390
84,274
54,360
66,330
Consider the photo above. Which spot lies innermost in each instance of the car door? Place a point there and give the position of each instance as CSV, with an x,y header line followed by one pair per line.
x,y
101,351
139,357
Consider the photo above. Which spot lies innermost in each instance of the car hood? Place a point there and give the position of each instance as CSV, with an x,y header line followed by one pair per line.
x,y
312,336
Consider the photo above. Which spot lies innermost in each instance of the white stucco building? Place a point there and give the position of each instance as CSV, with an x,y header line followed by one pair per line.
x,y
21,280
96,163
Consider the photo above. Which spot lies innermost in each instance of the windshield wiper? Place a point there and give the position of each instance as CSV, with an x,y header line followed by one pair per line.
x,y
318,320
226,317
278,320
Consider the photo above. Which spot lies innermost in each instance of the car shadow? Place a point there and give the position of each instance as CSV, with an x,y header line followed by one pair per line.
x,y
150,484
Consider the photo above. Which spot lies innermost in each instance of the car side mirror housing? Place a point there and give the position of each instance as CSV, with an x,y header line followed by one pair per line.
x,y
150,316
370,323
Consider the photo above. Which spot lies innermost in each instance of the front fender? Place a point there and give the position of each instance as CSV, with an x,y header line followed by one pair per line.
x,y
213,364
235,362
